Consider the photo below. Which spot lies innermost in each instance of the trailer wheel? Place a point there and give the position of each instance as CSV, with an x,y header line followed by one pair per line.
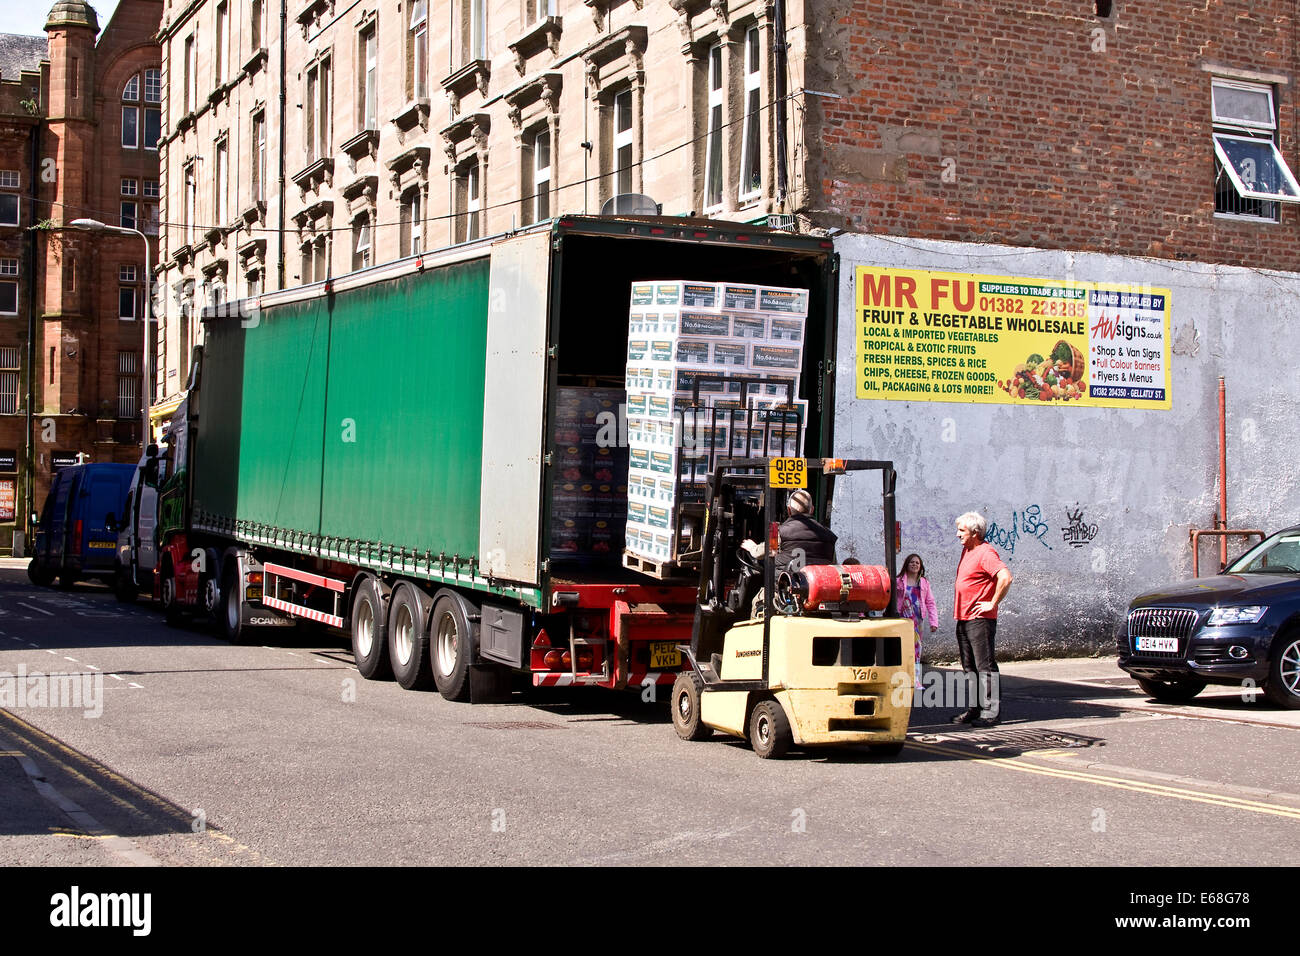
x,y
173,612
769,730
408,641
686,707
370,632
449,635
230,608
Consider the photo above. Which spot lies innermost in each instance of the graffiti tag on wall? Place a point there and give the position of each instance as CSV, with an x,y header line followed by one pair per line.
x,y
1078,532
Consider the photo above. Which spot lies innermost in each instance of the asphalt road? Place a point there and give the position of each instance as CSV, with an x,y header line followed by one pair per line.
x,y
208,754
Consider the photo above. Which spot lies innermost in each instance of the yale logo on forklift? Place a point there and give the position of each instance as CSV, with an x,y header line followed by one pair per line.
x,y
787,473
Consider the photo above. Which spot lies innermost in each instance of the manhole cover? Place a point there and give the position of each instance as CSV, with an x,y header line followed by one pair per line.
x,y
1021,740
513,725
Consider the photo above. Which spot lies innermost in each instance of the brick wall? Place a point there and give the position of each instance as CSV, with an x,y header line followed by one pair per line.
x,y
1041,124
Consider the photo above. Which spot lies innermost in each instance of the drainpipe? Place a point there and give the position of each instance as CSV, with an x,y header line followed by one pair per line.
x,y
1221,521
29,451
284,35
780,64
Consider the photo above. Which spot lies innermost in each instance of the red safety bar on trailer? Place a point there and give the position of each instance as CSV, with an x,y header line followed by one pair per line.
x,y
270,592
619,602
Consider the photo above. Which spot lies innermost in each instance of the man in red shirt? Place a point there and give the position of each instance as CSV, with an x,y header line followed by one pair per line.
x,y
982,583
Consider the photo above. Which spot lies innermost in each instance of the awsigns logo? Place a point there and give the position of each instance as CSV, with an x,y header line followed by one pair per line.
x,y
74,909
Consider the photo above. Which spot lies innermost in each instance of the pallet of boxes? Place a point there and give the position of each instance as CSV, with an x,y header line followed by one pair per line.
x,y
713,372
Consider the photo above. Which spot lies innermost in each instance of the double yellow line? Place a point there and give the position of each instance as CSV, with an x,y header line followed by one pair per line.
x,y
1119,783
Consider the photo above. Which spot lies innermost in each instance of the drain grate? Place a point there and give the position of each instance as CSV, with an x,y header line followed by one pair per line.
x,y
513,725
1018,739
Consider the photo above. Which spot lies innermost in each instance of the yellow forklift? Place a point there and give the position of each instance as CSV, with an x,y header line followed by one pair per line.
x,y
827,661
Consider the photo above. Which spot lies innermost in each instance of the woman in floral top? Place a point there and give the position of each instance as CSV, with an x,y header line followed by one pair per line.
x,y
916,602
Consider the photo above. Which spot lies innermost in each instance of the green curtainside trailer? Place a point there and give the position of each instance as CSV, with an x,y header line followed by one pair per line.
x,y
385,452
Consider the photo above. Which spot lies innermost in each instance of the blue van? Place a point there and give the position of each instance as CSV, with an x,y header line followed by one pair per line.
x,y
76,534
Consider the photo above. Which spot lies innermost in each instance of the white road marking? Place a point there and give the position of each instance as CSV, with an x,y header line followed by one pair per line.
x,y
115,677
134,684
33,607
92,667
73,659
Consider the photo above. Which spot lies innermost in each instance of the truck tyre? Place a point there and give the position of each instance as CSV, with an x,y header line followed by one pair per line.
x,y
452,645
1283,684
41,577
67,579
370,631
1171,691
769,730
408,640
686,707
124,588
173,612
229,612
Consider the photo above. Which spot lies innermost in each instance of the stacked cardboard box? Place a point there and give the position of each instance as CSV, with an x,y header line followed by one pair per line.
x,y
589,493
713,370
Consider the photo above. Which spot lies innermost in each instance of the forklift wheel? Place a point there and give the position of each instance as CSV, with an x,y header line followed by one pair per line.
x,y
686,707
769,730
886,750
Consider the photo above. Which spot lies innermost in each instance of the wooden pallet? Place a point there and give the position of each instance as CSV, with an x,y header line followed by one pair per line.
x,y
656,568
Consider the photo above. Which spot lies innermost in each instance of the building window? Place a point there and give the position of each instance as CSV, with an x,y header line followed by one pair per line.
x,y
221,195
537,185
368,85
221,48
539,10
128,384
9,369
129,187
321,259
128,215
191,77
141,115
361,258
8,297
256,23
8,209
8,267
751,150
419,59
151,189
190,202
128,292
131,113
713,142
473,30
317,110
1250,176
412,224
623,159
149,218
259,157
468,200
9,179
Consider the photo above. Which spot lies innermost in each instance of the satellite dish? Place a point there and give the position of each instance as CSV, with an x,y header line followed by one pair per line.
x,y
630,204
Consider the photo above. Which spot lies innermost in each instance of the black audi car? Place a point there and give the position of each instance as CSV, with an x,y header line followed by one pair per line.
x,y
1242,624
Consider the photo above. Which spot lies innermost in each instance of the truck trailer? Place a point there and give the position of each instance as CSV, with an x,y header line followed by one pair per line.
x,y
379,452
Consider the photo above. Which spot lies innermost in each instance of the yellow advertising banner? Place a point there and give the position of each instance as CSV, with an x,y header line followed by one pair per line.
x,y
957,337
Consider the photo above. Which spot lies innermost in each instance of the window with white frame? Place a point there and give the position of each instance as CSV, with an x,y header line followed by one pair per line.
x,y
221,194
751,148
361,251
151,190
130,214
412,223
258,176
131,113
418,58
190,79
539,10
9,369
191,200
623,143
8,297
128,292
539,202
1250,177
9,204
9,179
8,267
317,111
129,187
473,30
468,200
141,111
128,384
256,23
368,86
221,48
713,141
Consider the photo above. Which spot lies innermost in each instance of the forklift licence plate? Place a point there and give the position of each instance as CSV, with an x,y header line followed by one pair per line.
x,y
663,655
253,594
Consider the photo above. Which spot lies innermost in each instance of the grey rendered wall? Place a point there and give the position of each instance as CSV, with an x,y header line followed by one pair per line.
x,y
1135,481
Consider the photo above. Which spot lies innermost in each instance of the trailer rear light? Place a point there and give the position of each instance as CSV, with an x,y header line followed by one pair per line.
x,y
554,659
701,235
586,660
254,577
657,230
565,658
742,238
773,539
76,536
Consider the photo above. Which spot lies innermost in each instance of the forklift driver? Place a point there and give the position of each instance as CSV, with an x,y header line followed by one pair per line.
x,y
801,539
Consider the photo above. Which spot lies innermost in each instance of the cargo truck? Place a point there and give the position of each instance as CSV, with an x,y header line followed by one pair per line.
x,y
380,452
